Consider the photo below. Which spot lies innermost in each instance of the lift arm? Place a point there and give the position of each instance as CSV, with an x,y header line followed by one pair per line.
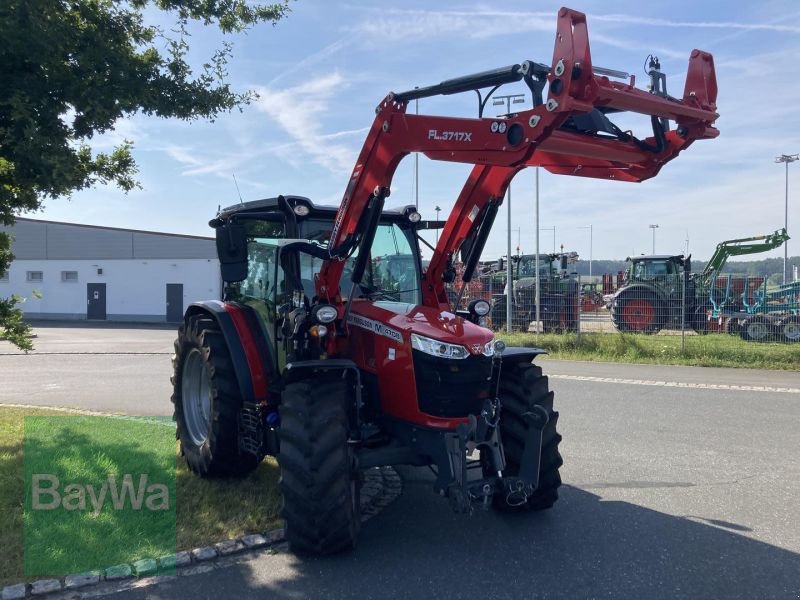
x,y
740,247
499,147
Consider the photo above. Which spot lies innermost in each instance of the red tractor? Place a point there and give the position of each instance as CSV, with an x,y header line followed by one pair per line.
x,y
333,349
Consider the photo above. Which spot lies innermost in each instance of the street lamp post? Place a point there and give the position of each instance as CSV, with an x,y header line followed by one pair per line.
x,y
654,227
589,227
437,209
786,159
508,99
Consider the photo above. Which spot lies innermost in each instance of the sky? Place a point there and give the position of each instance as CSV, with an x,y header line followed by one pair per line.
x,y
321,72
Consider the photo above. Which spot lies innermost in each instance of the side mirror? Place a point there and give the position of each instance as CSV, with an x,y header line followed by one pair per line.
x,y
232,251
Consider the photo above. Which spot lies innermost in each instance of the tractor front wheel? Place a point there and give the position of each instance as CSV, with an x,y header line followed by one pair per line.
x,y
207,401
521,388
321,507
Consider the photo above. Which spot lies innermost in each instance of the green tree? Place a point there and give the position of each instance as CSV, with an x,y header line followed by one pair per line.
x,y
70,69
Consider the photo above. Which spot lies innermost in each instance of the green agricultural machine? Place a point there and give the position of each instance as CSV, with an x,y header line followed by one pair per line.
x,y
661,291
560,294
771,314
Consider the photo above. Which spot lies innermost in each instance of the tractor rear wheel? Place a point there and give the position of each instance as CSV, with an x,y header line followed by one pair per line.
x,y
789,328
319,482
756,329
639,313
523,386
207,401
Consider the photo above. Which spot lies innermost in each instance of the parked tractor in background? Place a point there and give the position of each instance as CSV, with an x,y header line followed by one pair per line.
x,y
559,294
660,291
591,297
334,351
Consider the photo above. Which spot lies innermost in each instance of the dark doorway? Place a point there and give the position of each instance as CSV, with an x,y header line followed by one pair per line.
x,y
174,302
96,301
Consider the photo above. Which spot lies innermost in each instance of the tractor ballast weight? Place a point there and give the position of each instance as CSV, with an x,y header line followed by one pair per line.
x,y
335,351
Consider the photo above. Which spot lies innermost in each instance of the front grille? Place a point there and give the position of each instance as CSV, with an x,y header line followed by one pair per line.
x,y
450,387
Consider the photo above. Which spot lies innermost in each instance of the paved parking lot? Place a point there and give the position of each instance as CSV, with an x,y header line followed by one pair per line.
x,y
680,482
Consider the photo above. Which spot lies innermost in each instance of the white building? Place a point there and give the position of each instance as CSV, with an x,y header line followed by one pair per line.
x,y
106,273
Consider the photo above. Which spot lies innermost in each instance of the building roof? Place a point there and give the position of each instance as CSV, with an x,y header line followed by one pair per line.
x,y
179,235
36,239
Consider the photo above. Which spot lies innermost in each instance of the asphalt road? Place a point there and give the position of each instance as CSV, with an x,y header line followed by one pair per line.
x,y
670,492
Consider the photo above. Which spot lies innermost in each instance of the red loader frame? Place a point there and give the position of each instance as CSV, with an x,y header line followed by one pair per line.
x,y
499,148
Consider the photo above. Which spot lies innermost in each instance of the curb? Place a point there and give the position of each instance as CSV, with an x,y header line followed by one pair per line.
x,y
381,487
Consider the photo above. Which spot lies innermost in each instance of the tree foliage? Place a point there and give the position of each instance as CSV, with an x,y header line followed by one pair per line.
x,y
72,68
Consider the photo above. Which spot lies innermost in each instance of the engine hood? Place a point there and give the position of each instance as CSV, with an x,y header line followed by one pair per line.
x,y
393,318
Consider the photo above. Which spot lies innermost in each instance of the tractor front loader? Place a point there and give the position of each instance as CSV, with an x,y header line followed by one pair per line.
x,y
334,351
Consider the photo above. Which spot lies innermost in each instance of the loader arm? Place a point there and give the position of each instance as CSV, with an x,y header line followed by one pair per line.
x,y
499,147
741,247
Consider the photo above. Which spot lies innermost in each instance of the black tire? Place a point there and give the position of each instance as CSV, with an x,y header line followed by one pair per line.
x,y
757,329
658,312
789,328
523,386
319,483
200,341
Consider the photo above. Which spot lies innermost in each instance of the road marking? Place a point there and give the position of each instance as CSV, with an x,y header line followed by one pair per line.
x,y
680,384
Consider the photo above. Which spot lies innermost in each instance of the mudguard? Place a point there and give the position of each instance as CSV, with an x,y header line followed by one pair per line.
x,y
250,351
515,355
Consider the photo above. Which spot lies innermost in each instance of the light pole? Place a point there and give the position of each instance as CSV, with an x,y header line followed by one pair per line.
x,y
786,159
589,227
437,209
508,99
654,227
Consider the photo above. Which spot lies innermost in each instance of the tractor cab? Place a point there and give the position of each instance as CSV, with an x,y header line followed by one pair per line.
x,y
272,250
656,267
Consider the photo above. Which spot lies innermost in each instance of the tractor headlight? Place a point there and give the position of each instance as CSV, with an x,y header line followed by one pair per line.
x,y
480,307
324,313
437,348
488,348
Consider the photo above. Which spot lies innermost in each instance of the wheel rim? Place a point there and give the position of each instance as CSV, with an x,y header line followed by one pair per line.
x,y
196,396
757,330
791,331
638,314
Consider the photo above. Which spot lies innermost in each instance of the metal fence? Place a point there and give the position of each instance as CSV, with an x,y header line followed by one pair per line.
x,y
653,299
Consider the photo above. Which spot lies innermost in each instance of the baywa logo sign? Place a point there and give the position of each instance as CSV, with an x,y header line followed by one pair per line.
x,y
99,491
48,495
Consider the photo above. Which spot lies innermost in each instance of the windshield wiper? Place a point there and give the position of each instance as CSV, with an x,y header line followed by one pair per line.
x,y
368,292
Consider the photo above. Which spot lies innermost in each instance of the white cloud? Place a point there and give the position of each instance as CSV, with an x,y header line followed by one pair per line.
x,y
299,111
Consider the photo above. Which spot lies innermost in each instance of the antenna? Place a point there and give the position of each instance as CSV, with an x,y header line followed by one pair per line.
x,y
236,183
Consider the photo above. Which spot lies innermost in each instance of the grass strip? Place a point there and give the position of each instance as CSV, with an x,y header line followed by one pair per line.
x,y
207,511
700,350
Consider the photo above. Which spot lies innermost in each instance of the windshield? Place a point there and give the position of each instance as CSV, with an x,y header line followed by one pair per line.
x,y
527,265
645,270
392,272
